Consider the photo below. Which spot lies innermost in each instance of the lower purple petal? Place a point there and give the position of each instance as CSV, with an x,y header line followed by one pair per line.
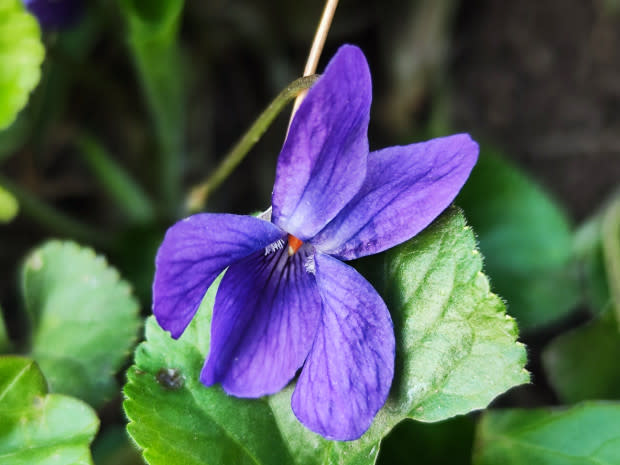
x,y
347,376
405,189
266,313
194,252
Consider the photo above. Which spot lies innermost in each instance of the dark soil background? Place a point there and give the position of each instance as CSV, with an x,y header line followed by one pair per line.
x,y
541,79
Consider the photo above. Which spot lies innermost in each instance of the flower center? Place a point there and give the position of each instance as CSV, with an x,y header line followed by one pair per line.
x,y
293,244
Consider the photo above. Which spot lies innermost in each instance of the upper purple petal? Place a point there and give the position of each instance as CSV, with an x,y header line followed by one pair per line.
x,y
347,376
405,189
266,312
323,161
194,252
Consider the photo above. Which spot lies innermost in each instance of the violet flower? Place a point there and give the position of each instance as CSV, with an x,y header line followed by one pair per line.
x,y
287,301
54,14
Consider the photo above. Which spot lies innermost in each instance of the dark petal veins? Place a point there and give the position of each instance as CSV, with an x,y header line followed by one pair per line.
x,y
405,189
194,252
266,312
323,161
347,376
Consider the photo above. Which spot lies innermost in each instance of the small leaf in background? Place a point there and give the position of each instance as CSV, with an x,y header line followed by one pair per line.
x,y
5,342
596,281
40,428
611,252
85,319
583,364
588,433
526,241
8,206
457,351
446,442
21,55
597,246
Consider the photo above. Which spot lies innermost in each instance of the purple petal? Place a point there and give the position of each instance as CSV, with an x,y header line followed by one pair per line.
x,y
348,374
323,162
55,13
406,188
266,312
194,252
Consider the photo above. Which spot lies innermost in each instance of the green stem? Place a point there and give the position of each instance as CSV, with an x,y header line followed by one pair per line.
x,y
119,186
197,197
154,45
159,67
49,217
611,252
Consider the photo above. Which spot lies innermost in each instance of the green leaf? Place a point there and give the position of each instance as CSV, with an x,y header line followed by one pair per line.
x,y
577,374
154,13
456,347
21,55
457,351
8,206
40,428
588,433
153,41
84,319
611,252
597,246
5,342
526,241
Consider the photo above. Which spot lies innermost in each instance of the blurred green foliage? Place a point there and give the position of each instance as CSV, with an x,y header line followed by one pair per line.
x,y
37,427
21,54
525,238
84,319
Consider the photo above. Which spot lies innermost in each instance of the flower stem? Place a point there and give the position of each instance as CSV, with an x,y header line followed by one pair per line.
x,y
317,48
197,197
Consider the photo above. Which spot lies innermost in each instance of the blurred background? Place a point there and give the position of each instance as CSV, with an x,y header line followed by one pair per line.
x,y
155,94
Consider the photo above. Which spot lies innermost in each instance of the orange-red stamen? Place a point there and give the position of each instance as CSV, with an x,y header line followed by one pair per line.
x,y
293,244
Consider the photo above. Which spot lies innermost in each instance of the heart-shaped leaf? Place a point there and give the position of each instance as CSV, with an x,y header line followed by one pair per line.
x,y
578,374
85,319
40,428
456,351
